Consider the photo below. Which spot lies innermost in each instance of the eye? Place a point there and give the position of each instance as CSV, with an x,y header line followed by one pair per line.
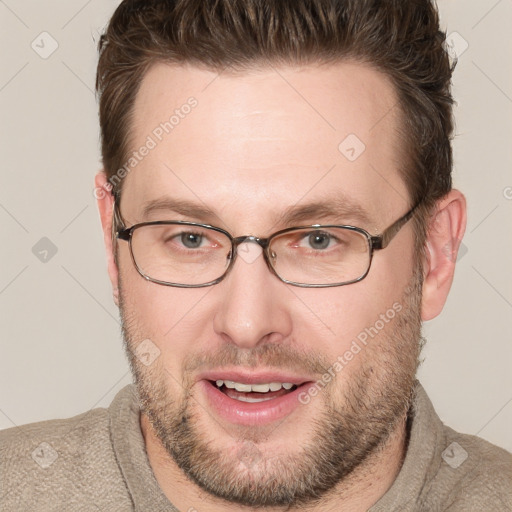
x,y
319,240
174,238
191,240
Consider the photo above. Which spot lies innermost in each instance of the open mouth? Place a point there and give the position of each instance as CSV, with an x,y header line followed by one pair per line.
x,y
253,393
253,403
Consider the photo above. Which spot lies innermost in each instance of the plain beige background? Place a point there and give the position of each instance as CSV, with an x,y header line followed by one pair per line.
x,y
61,349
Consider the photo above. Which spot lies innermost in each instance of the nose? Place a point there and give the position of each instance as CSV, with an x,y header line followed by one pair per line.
x,y
252,302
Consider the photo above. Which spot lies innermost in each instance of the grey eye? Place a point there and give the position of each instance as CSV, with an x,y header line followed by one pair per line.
x,y
191,240
319,240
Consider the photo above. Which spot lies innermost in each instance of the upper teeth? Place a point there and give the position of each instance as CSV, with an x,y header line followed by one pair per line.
x,y
260,388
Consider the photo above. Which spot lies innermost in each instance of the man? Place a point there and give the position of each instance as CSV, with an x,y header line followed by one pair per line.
x,y
279,220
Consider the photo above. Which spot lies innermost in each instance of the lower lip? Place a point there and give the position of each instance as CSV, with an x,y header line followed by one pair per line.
x,y
255,413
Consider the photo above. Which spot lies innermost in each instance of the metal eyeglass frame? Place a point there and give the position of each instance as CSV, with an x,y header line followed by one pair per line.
x,y
375,242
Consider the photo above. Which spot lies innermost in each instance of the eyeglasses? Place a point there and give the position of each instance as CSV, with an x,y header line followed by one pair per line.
x,y
193,255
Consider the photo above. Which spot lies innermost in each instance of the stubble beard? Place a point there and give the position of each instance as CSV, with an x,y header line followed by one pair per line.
x,y
354,423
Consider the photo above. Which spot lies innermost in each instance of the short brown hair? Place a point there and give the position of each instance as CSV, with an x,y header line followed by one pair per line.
x,y
400,38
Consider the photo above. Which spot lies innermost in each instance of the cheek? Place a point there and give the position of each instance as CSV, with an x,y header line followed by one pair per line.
x,y
335,317
172,320
167,315
340,316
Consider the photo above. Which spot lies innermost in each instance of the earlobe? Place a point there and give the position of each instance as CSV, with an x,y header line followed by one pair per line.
x,y
105,202
445,231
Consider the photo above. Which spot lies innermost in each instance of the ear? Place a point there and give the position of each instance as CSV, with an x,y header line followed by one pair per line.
x,y
445,231
105,201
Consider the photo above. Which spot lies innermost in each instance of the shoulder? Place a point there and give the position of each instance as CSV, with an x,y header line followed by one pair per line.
x,y
480,471
473,474
448,471
59,461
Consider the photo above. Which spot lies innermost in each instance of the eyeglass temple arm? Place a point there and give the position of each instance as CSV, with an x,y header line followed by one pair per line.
x,y
118,228
382,241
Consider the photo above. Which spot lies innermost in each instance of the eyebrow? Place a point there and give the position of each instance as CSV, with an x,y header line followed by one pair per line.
x,y
340,210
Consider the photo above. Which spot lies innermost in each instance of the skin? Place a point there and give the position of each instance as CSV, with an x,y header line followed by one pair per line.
x,y
257,143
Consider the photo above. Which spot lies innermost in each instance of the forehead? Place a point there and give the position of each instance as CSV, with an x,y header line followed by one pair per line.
x,y
266,138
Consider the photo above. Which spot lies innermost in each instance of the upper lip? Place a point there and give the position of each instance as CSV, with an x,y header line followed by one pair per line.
x,y
260,377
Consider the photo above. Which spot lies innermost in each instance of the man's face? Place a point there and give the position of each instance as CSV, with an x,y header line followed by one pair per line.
x,y
254,146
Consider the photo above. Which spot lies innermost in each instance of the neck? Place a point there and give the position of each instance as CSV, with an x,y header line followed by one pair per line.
x,y
357,492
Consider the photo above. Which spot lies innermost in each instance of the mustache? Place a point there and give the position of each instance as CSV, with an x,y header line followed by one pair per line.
x,y
270,355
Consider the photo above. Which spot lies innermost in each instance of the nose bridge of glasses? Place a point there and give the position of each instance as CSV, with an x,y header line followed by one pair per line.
x,y
262,242
249,253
